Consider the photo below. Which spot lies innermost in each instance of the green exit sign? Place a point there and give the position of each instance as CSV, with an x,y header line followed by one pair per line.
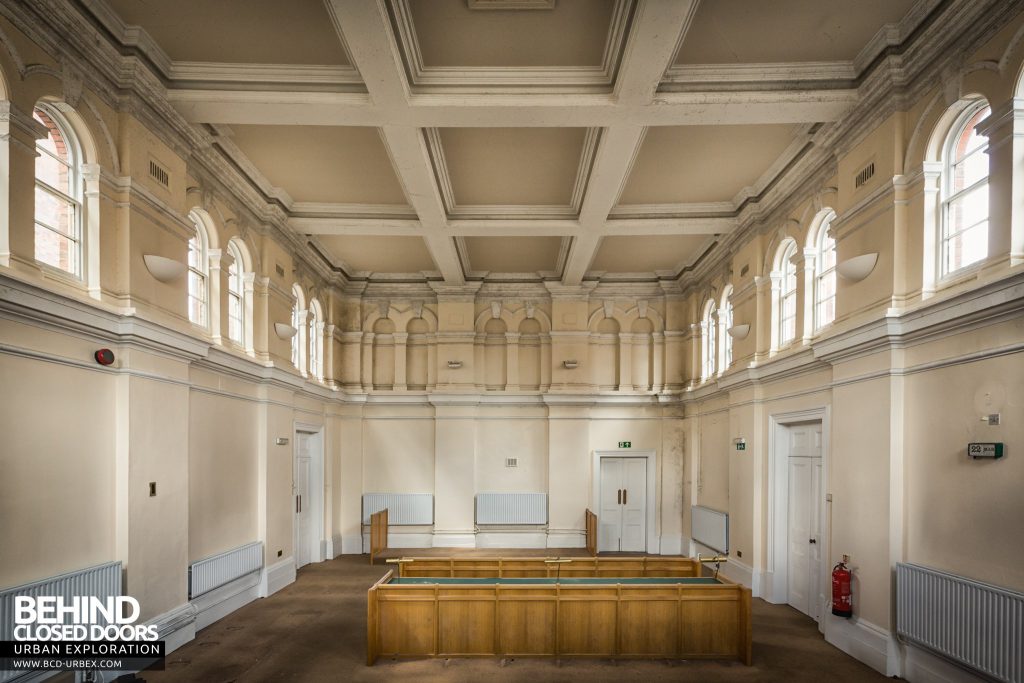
x,y
625,444
741,446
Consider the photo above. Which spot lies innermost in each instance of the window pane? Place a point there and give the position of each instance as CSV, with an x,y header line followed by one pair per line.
x,y
969,140
54,173
969,171
967,210
55,212
194,253
966,248
56,250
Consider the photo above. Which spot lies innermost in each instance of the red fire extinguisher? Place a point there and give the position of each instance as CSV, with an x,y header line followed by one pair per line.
x,y
842,597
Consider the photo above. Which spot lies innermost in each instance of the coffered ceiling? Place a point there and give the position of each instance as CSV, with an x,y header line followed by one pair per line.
x,y
561,140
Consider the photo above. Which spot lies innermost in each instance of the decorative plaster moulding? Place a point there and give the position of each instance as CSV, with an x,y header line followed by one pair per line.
x,y
284,330
739,331
857,268
164,269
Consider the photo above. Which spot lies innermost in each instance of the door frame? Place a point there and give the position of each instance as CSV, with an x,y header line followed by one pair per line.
x,y
778,505
653,546
316,493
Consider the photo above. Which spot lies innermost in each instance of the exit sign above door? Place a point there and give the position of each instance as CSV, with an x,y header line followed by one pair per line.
x,y
625,444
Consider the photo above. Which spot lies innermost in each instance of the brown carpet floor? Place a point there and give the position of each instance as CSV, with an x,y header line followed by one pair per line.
x,y
315,630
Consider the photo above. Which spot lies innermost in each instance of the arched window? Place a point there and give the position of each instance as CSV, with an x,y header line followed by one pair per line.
x,y
786,302
825,277
298,322
236,295
316,340
964,233
59,240
198,276
725,322
709,347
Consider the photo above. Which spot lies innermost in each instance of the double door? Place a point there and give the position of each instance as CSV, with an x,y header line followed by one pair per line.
x,y
622,517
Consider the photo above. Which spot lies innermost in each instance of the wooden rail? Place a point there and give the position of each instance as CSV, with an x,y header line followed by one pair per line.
x,y
591,533
539,567
378,533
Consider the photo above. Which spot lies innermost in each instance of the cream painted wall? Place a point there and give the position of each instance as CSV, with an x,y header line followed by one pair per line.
x,y
47,469
222,474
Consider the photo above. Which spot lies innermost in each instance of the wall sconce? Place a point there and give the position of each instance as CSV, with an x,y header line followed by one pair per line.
x,y
284,330
455,364
857,268
739,331
571,364
162,268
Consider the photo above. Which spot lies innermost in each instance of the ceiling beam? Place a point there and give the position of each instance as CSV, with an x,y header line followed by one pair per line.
x,y
364,29
658,30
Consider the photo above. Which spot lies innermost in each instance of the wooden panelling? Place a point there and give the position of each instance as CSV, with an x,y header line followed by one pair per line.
x,y
591,519
708,621
609,567
378,533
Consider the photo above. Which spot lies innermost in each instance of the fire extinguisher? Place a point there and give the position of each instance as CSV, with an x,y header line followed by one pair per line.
x,y
842,596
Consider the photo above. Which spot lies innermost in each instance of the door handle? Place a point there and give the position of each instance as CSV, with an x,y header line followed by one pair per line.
x,y
813,540
625,495
298,504
618,497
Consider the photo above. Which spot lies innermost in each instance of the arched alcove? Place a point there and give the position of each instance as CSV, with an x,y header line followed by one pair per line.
x,y
495,370
642,331
529,354
606,358
416,354
384,354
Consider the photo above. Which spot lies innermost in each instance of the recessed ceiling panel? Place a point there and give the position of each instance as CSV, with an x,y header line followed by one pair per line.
x,y
512,165
745,31
679,164
379,254
450,34
513,254
238,31
336,164
647,253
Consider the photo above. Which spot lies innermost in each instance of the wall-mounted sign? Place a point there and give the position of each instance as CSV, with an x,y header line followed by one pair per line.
x,y
741,445
985,450
625,444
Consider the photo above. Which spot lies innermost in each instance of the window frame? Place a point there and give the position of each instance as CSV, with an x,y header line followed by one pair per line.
x,y
199,244
948,198
75,201
709,342
821,273
316,341
787,272
236,295
725,321
298,339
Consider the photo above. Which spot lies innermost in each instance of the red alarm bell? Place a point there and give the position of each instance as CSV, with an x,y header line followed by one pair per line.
x,y
105,357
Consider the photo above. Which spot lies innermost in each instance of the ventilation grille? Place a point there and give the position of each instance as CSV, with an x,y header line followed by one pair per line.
x,y
159,173
866,174
511,462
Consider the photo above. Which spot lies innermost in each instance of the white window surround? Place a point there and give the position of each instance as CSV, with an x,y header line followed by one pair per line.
x,y
709,346
236,295
199,278
784,287
299,314
724,323
70,196
971,198
824,275
316,341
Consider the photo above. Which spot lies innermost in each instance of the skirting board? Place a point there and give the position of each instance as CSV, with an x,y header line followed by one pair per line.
x,y
277,576
567,538
220,602
350,544
511,539
921,666
860,639
327,549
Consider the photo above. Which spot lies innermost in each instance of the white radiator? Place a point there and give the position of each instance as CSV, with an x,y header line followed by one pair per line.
x,y
511,508
975,624
102,581
403,508
710,528
213,572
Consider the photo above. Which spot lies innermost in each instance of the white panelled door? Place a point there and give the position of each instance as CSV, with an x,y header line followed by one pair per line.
x,y
623,506
303,501
804,518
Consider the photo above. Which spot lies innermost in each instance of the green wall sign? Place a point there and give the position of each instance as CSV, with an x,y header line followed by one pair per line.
x,y
625,444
